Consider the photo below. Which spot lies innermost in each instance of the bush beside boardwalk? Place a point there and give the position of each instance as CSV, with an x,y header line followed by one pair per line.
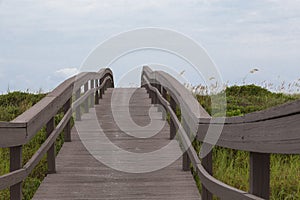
x,y
12,105
232,166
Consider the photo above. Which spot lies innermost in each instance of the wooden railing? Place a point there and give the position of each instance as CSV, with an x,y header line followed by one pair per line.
x,y
276,130
21,130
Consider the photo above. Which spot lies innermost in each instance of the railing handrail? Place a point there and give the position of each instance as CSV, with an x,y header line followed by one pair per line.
x,y
260,133
21,130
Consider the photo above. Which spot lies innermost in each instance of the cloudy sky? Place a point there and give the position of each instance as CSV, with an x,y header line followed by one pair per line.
x,y
43,42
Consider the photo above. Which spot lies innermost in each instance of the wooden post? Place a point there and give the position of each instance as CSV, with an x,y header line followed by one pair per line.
x,y
173,129
207,164
154,94
97,92
186,162
51,152
159,108
154,97
15,164
78,109
173,104
105,86
164,94
92,95
112,85
260,174
86,102
67,129
101,89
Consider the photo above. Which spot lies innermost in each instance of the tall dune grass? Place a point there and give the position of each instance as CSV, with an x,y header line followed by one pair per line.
x,y
232,166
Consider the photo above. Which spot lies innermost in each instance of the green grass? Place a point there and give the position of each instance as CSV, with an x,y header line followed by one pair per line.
x,y
245,99
12,105
232,166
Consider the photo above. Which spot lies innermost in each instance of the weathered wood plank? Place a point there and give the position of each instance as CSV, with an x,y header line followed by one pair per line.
x,y
16,164
12,178
279,135
51,152
12,134
260,175
80,176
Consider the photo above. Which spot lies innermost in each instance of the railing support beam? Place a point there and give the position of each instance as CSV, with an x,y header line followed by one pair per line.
x,y
173,129
86,102
164,94
186,162
78,109
15,164
102,89
207,164
51,152
92,103
97,92
67,129
260,174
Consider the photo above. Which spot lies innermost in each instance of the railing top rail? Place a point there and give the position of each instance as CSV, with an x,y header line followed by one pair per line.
x,y
20,130
274,130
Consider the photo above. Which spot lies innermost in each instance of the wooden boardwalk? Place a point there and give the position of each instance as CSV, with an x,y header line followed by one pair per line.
x,y
120,134
81,176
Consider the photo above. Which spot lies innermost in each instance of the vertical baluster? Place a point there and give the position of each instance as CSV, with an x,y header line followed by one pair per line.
x,y
101,89
164,94
173,129
51,152
159,105
92,95
78,109
154,96
207,164
97,92
15,164
67,129
112,85
86,102
186,162
260,174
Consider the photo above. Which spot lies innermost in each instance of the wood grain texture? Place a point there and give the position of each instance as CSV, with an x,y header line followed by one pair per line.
x,y
278,135
81,176
22,129
12,134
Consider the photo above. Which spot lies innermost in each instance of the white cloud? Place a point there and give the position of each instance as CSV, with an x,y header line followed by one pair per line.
x,y
54,33
66,72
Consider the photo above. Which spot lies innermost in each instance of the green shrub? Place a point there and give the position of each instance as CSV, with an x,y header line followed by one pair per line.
x,y
12,105
232,166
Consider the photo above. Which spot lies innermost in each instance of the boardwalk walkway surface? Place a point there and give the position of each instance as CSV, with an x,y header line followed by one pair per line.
x,y
81,176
